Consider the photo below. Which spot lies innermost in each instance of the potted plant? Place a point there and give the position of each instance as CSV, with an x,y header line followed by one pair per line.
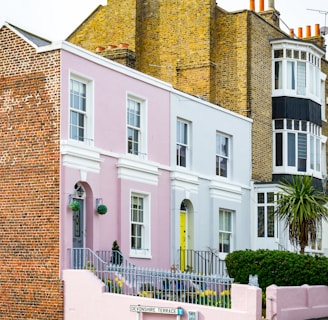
x,y
102,209
75,205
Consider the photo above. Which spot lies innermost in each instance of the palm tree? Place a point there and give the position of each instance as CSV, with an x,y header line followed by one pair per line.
x,y
302,207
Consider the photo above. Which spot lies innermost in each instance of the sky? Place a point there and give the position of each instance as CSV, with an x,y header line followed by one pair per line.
x,y
56,19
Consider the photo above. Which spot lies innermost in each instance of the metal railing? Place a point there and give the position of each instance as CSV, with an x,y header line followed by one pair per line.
x,y
204,262
114,257
211,290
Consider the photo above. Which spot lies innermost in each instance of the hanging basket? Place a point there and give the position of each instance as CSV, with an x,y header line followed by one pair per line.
x,y
75,205
102,209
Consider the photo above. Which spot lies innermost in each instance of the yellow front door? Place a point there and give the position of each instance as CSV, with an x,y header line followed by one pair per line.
x,y
183,240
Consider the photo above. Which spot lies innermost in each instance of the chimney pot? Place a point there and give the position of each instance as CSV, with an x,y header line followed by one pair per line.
x,y
252,5
317,29
300,33
291,33
308,31
261,5
271,4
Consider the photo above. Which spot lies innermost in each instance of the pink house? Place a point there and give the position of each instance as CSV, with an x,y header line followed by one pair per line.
x,y
115,139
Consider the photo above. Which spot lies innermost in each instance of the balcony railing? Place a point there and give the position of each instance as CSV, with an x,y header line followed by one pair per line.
x,y
211,290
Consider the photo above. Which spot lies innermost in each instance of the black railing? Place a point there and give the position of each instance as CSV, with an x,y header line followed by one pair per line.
x,y
202,262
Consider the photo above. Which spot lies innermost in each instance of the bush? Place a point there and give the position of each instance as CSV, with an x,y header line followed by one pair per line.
x,y
281,268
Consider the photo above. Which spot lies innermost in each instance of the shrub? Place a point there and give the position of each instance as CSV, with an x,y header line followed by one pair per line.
x,y
281,268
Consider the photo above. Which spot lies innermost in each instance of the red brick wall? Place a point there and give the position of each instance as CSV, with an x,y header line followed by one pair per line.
x,y
29,181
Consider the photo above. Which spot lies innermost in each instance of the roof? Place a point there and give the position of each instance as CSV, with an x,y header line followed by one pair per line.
x,y
38,41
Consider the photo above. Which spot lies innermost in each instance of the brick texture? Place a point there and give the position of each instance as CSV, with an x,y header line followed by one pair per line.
x,y
202,50
29,175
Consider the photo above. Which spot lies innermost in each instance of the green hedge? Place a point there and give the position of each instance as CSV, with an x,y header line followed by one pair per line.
x,y
277,267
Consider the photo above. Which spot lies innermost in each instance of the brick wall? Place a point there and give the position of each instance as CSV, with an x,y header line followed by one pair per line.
x,y
202,50
29,181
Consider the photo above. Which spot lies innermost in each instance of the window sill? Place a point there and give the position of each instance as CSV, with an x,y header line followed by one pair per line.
x,y
140,254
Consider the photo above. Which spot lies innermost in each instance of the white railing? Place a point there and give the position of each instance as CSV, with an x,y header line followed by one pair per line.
x,y
211,290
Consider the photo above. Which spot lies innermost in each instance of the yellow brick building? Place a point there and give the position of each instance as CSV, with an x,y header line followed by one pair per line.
x,y
223,57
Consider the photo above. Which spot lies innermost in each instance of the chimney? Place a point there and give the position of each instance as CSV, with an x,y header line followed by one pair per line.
x,y
308,31
291,33
261,5
252,5
271,4
300,33
317,30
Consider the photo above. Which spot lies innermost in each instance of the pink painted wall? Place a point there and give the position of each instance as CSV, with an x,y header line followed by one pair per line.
x,y
110,95
85,299
296,303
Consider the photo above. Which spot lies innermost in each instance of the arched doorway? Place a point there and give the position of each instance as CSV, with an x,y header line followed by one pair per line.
x,y
78,217
186,236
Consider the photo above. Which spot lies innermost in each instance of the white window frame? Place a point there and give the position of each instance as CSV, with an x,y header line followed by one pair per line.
x,y
181,144
88,133
144,251
264,206
227,156
141,129
223,230
313,150
305,74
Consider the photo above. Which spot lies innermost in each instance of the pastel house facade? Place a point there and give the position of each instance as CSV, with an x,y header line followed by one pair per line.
x,y
79,128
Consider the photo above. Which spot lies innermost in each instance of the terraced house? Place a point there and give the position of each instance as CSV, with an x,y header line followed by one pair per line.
x,y
101,153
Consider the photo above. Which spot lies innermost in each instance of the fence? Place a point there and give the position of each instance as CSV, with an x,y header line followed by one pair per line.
x,y
204,262
210,290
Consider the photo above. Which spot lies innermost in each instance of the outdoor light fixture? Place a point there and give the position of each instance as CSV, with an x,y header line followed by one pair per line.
x,y
79,192
98,202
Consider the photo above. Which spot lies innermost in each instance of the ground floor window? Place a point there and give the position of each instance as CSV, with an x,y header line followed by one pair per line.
x,y
225,230
265,215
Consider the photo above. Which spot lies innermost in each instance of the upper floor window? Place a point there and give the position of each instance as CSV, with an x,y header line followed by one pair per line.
x,y
182,144
77,110
140,229
136,127
225,231
80,126
297,146
222,155
296,71
265,215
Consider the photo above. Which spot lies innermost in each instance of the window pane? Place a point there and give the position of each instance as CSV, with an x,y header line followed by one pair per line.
x,y
270,222
301,78
278,74
291,75
312,152
260,222
279,147
317,154
302,152
291,149
260,197
279,124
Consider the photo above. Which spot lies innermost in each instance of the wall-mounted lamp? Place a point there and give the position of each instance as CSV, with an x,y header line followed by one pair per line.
x,y
98,202
79,192
70,198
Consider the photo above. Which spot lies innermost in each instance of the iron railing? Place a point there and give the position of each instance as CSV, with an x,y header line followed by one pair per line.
x,y
114,257
211,290
203,262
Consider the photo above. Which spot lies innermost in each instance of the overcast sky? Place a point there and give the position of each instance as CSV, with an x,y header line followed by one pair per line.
x,y
56,19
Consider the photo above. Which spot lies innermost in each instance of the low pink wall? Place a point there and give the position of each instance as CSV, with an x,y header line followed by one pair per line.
x,y
84,299
296,303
